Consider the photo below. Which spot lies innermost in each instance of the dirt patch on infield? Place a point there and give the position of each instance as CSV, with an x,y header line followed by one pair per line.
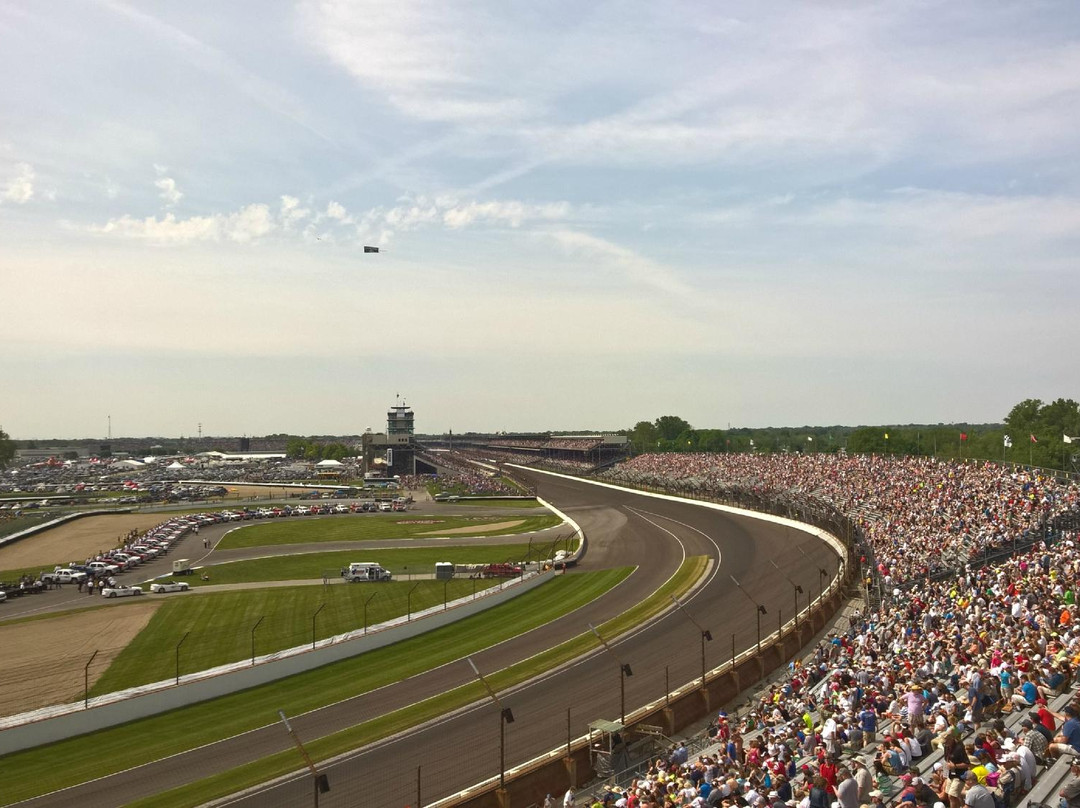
x,y
250,492
470,529
75,541
44,659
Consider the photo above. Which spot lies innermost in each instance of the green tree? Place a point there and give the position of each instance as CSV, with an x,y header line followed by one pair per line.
x,y
7,449
644,436
1024,416
869,440
670,427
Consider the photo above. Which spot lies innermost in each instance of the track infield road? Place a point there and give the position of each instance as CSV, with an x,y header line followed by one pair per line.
x,y
623,528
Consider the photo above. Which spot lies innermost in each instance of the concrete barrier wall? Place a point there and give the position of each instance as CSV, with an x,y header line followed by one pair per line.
x,y
30,531
77,721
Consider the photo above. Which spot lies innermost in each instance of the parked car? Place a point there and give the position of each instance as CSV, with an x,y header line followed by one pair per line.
x,y
63,575
169,586
120,591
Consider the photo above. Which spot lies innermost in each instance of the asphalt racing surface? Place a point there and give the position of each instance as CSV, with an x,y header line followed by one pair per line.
x,y
623,529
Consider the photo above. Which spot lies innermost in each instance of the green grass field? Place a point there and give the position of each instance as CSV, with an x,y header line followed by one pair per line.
x,y
34,771
218,625
400,561
374,526
262,770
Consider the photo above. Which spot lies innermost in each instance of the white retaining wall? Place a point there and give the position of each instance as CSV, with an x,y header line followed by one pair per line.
x,y
78,721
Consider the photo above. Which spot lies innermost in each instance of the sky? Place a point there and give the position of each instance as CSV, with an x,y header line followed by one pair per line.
x,y
588,214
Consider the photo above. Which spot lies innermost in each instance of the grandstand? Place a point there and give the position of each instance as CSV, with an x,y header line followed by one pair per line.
x,y
574,453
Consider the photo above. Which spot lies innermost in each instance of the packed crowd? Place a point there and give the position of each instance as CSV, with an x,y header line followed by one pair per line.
x,y
921,515
576,444
459,475
947,667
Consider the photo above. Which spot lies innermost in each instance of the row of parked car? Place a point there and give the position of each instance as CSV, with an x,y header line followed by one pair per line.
x,y
101,571
324,508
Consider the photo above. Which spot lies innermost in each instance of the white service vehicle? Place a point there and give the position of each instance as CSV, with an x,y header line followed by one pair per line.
x,y
63,575
121,591
169,586
101,568
359,571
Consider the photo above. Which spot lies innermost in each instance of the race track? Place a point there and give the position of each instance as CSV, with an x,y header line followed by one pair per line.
x,y
623,528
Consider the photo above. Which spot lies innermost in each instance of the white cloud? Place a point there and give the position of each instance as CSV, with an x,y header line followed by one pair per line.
x,y
512,213
170,194
335,210
20,188
456,215
291,212
622,260
245,225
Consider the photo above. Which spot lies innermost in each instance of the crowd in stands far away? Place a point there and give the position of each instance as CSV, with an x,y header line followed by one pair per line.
x,y
919,514
957,693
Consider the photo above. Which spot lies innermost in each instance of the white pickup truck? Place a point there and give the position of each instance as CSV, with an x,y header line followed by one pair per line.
x,y
63,575
101,568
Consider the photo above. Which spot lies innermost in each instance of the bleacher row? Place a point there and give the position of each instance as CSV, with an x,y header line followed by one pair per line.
x,y
943,646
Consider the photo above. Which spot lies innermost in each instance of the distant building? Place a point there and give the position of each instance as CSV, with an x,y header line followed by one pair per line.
x,y
397,447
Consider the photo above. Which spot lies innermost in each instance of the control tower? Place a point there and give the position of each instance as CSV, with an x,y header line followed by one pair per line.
x,y
393,453
399,421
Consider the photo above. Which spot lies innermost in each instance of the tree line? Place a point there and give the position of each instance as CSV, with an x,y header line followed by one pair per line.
x,y
1033,432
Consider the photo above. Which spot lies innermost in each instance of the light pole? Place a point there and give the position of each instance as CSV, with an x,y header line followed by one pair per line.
x,y
760,611
366,602
506,716
706,635
322,785
313,616
253,637
795,586
409,599
821,573
624,671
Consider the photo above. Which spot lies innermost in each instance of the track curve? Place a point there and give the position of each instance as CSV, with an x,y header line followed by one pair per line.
x,y
623,528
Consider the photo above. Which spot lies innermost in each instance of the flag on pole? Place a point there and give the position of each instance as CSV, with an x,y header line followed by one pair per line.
x,y
1008,442
1067,439
1033,439
368,249
963,436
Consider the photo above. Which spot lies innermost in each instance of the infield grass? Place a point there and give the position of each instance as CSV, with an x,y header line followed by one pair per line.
x,y
337,743
35,771
402,562
216,628
372,526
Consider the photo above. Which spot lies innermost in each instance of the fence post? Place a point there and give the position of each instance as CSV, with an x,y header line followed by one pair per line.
x,y
316,614
253,637
178,655
86,681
